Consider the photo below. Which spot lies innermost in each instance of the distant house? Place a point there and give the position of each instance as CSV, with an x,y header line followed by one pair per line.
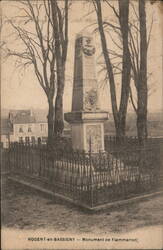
x,y
24,126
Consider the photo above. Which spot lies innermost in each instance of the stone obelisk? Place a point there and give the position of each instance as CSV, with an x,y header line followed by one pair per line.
x,y
86,118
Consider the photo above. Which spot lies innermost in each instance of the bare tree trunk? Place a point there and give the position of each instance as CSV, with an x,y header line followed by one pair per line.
x,y
118,114
120,128
126,64
107,62
50,118
61,44
142,84
59,120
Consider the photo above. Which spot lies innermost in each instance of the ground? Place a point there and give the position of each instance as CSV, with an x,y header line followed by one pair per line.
x,y
26,209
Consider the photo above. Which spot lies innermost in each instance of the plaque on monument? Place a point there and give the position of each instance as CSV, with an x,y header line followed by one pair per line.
x,y
94,138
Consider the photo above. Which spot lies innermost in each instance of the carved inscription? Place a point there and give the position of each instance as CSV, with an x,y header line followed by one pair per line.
x,y
93,138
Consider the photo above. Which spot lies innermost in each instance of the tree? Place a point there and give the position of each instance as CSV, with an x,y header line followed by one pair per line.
x,y
138,52
142,84
119,114
138,43
41,39
60,29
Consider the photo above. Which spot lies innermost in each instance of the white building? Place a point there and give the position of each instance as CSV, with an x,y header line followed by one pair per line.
x,y
23,126
26,126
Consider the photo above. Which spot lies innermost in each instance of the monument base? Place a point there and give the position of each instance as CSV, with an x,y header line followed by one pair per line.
x,y
87,130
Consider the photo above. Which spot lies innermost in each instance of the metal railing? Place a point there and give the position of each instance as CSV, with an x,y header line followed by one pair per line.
x,y
89,179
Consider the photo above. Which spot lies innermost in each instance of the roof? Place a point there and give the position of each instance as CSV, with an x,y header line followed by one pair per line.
x,y
21,117
40,116
26,117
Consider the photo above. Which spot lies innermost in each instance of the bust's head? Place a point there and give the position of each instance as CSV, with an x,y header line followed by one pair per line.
x,y
85,41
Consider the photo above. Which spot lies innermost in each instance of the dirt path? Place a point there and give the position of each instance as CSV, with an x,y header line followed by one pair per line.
x,y
26,209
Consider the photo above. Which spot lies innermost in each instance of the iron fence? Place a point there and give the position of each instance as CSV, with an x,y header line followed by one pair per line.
x,y
128,142
89,179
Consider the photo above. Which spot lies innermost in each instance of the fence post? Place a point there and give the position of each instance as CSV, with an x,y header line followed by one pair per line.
x,y
91,179
9,164
40,159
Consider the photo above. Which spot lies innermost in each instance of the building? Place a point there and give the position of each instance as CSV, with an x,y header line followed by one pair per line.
x,y
23,126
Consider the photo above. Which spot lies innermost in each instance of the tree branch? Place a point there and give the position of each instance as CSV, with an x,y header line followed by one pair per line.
x,y
112,7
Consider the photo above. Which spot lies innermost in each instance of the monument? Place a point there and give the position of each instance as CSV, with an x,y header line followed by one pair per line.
x,y
86,117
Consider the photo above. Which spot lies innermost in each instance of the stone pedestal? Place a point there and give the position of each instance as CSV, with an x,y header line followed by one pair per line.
x,y
87,130
86,118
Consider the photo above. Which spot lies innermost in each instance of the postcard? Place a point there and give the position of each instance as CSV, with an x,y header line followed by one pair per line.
x,y
81,124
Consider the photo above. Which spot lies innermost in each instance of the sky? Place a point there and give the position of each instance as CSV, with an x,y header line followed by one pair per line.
x,y
21,90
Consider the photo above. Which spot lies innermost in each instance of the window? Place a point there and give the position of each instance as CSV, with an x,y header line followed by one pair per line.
x,y
33,140
39,140
44,140
29,129
20,129
42,126
26,139
20,139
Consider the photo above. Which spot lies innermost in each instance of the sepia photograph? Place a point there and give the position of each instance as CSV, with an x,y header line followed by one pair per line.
x,y
81,124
